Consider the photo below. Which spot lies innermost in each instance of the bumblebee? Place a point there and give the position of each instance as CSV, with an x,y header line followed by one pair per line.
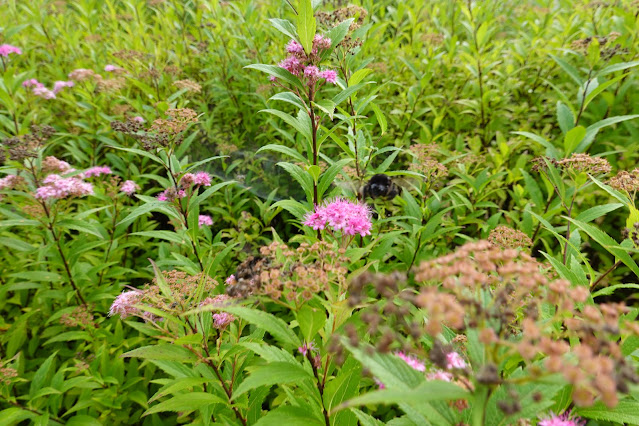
x,y
380,186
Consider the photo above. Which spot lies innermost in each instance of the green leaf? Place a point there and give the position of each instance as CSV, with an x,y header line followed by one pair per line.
x,y
593,129
41,376
311,320
572,139
569,69
275,326
278,72
597,211
274,373
336,35
607,291
305,130
329,176
565,117
188,402
162,235
285,27
625,412
289,416
283,150
433,390
607,243
381,119
348,92
617,67
303,178
164,352
551,151
306,25
327,106
358,76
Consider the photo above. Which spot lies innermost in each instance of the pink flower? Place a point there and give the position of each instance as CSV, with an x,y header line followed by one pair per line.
x,y
59,85
329,75
202,179
123,305
413,362
440,375
306,347
292,65
171,194
97,171
294,47
43,92
52,164
222,319
57,187
129,187
341,215
9,182
231,280
564,420
6,49
454,360
138,119
31,83
321,43
312,73
187,180
204,220
110,68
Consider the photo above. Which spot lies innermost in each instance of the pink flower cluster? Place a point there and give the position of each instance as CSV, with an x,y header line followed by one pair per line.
x,y
188,180
197,179
454,360
231,280
123,305
9,182
564,420
40,90
52,164
305,66
413,362
6,49
129,187
221,319
341,215
204,220
97,171
171,194
57,187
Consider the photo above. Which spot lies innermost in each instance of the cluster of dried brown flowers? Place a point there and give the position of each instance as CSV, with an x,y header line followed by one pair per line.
x,y
508,238
577,163
625,181
293,273
7,374
188,85
425,163
18,148
81,316
330,19
163,132
518,320
608,52
514,306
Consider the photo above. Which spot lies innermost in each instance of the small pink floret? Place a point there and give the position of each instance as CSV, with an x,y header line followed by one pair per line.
x,y
204,220
341,215
454,360
7,49
129,187
413,362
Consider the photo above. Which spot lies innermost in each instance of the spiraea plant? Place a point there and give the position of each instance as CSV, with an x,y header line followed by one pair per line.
x,y
413,213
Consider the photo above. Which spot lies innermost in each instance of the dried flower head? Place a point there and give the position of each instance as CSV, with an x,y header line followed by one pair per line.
x,y
505,237
625,181
188,85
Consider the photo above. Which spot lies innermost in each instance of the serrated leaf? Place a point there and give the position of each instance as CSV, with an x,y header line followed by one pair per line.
x,y
187,402
275,326
162,352
274,373
306,25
